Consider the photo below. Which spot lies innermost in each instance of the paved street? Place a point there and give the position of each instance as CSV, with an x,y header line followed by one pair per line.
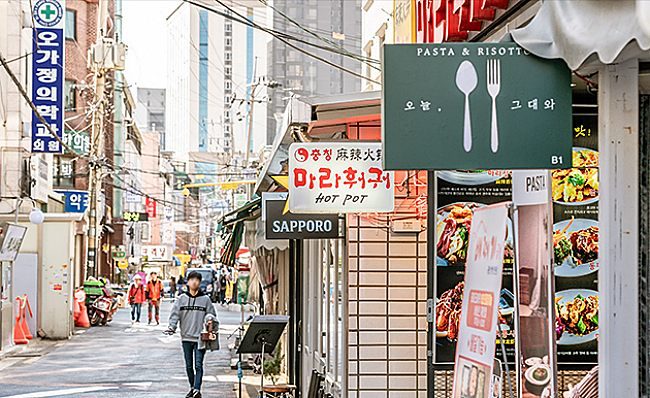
x,y
120,360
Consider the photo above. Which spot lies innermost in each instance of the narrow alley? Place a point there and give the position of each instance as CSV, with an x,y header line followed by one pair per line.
x,y
120,360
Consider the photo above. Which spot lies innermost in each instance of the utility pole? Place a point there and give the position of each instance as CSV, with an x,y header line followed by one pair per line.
x,y
251,99
96,138
105,55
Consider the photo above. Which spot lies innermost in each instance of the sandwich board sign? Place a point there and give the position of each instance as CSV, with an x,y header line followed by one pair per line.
x,y
479,315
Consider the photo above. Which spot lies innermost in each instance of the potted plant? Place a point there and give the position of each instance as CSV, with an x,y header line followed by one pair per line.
x,y
273,365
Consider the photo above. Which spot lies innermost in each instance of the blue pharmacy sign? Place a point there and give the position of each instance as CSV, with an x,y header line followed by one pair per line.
x,y
75,201
48,74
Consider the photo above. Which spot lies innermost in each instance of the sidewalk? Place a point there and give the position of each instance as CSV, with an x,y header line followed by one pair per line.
x,y
121,360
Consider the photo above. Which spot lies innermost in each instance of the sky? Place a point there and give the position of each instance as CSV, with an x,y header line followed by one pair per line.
x,y
144,33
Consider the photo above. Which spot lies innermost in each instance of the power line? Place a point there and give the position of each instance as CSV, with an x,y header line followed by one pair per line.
x,y
284,38
285,41
343,50
24,94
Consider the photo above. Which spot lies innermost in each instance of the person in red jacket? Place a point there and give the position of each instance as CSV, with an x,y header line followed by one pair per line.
x,y
154,295
136,298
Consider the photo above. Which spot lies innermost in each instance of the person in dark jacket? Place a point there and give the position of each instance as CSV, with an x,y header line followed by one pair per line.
x,y
190,309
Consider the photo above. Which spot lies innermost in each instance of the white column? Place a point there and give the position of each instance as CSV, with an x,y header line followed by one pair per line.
x,y
618,117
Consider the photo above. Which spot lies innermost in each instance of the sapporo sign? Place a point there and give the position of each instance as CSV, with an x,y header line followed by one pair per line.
x,y
474,106
339,177
286,225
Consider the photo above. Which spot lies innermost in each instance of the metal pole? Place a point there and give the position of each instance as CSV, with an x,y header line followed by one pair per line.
x,y
262,378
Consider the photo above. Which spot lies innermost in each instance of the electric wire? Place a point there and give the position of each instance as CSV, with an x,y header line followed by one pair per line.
x,y
284,38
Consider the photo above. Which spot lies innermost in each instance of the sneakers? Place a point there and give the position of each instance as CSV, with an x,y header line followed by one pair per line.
x,y
193,394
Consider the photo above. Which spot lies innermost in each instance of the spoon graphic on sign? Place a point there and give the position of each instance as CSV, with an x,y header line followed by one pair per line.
x,y
466,81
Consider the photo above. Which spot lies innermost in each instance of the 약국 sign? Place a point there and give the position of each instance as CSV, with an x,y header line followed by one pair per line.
x,y
48,74
339,177
482,291
280,225
474,106
75,201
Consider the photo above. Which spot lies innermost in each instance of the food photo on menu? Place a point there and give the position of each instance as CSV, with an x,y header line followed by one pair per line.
x,y
576,249
460,194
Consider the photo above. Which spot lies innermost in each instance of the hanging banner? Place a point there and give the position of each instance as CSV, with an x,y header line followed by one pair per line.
x,y
490,106
150,207
48,74
75,201
479,318
535,295
339,177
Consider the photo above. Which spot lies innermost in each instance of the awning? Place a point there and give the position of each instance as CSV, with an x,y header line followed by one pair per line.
x,y
237,217
244,212
586,33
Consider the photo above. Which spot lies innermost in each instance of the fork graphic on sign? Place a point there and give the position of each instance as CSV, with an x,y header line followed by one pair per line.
x,y
466,81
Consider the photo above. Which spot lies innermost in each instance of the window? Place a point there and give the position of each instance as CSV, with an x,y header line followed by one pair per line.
x,y
228,71
228,55
70,24
228,84
228,27
226,99
228,41
70,95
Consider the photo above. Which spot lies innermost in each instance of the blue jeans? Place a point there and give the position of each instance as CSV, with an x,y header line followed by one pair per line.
x,y
136,308
193,363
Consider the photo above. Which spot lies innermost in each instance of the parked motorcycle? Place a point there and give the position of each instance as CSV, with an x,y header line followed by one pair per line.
x,y
101,310
102,303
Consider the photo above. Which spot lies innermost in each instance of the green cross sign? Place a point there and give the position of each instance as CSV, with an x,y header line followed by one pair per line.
x,y
47,12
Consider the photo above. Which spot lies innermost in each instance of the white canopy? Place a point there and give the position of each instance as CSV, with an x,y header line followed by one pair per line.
x,y
585,33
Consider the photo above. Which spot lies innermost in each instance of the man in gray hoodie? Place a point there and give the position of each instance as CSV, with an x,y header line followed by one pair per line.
x,y
190,309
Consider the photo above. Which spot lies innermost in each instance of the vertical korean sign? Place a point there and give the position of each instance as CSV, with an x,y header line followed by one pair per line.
x,y
339,177
48,74
479,315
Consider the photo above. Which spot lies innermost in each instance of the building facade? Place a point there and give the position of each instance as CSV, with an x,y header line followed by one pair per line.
x,y
209,81
338,23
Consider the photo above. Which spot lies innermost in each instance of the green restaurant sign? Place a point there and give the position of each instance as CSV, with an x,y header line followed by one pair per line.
x,y
474,106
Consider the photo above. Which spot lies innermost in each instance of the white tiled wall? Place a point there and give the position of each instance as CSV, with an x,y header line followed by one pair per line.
x,y
387,304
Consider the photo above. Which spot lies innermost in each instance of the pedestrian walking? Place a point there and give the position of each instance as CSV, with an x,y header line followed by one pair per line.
x,y
154,296
223,285
136,298
190,310
172,286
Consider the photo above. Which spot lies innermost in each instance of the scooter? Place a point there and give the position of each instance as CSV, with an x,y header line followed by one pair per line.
x,y
101,311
